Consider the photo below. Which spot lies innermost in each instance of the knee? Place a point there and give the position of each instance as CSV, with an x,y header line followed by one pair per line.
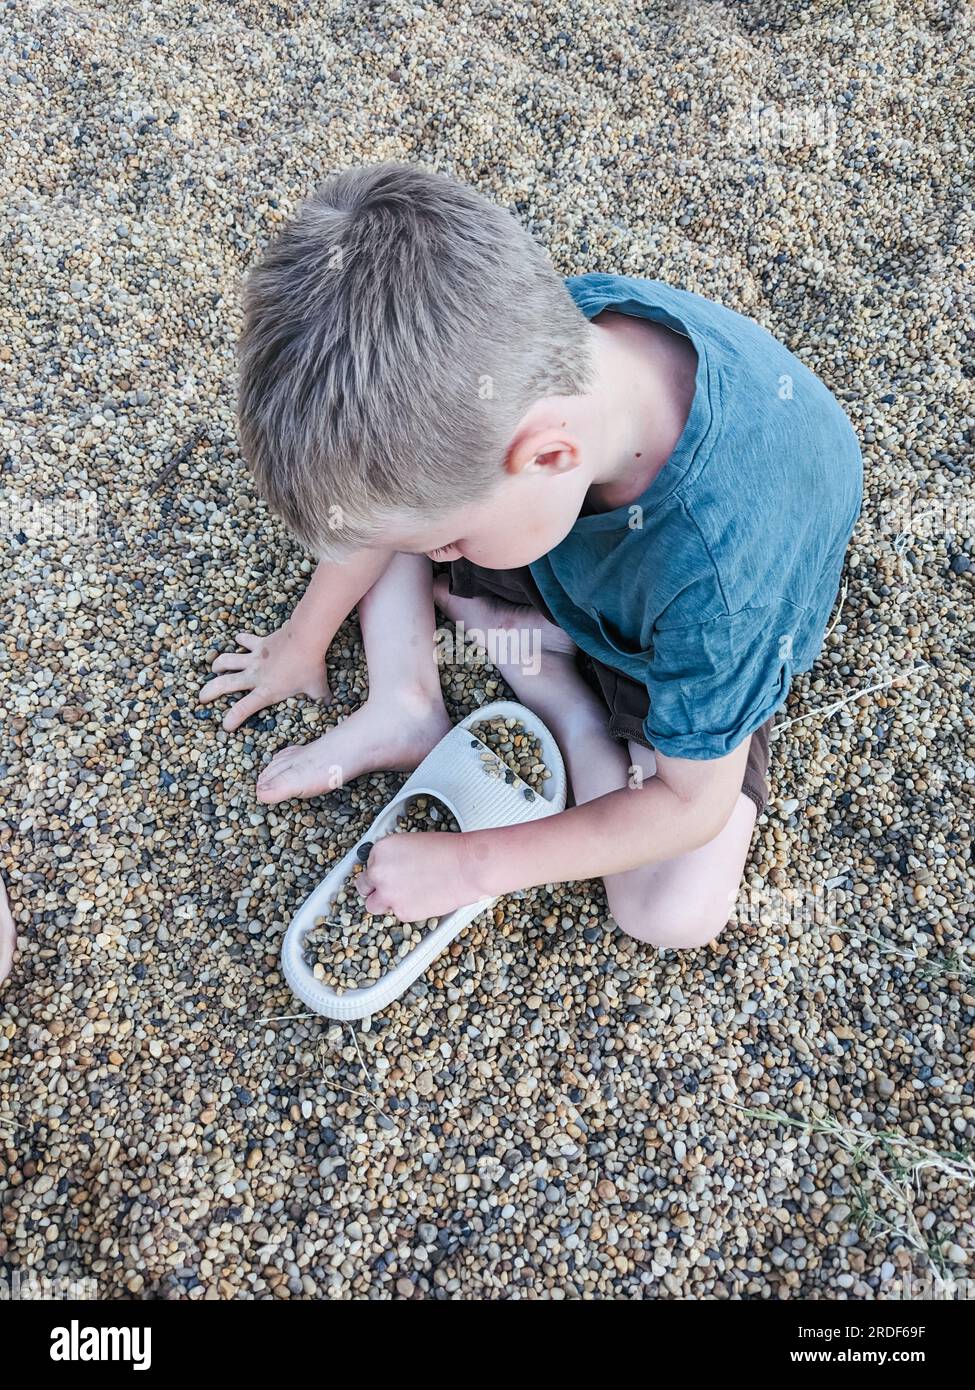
x,y
665,923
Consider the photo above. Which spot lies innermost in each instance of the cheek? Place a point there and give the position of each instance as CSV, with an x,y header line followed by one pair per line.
x,y
513,537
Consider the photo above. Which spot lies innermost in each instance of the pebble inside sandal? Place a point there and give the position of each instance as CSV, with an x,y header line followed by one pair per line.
x,y
480,790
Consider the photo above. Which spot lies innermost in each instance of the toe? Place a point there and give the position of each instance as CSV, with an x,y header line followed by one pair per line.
x,y
276,768
276,783
270,796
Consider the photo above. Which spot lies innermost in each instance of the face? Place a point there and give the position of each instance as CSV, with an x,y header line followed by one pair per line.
x,y
526,515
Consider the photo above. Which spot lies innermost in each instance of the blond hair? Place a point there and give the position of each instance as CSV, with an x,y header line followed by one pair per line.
x,y
395,333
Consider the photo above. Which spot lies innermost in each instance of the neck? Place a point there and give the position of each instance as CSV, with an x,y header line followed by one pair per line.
x,y
644,386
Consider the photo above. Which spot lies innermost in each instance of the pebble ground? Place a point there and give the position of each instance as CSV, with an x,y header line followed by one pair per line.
x,y
553,1111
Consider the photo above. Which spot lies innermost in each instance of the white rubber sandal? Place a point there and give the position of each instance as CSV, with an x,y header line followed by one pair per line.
x,y
453,772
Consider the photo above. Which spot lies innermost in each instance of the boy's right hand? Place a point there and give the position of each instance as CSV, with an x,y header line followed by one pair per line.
x,y
271,668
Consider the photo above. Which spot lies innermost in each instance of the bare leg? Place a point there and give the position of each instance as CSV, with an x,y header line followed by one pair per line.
x,y
687,901
404,715
555,691
679,903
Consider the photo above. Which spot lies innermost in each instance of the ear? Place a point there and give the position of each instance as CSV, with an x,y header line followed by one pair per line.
x,y
548,451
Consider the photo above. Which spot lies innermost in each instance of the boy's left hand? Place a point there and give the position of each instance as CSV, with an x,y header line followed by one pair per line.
x,y
418,875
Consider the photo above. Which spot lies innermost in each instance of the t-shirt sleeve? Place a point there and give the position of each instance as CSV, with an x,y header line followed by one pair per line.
x,y
712,684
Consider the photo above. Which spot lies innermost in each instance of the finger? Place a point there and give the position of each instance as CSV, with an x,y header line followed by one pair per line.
x,y
232,661
247,639
243,710
217,687
378,906
227,684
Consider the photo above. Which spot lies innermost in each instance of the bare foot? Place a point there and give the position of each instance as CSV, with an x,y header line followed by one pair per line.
x,y
393,734
489,615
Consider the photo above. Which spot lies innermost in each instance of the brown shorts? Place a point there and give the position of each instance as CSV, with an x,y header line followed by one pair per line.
x,y
626,700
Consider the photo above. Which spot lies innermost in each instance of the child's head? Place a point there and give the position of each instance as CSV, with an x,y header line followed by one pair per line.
x,y
396,336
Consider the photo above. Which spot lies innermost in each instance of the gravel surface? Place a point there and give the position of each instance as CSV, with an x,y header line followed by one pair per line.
x,y
515,754
553,1111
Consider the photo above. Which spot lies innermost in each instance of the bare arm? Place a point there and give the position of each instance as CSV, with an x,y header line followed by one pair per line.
x,y
291,661
333,591
683,807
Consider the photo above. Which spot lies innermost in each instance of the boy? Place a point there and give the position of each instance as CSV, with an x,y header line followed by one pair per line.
x,y
642,484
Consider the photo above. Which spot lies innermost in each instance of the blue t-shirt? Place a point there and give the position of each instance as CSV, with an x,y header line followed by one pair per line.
x,y
715,585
